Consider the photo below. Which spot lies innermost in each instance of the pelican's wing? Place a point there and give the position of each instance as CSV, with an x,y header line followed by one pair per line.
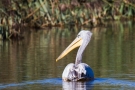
x,y
84,72
69,73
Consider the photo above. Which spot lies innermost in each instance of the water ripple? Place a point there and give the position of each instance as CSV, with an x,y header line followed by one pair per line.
x,y
59,82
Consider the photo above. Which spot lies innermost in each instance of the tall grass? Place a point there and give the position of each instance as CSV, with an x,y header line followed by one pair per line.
x,y
42,13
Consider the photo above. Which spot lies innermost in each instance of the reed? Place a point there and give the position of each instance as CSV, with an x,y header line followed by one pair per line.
x,y
48,13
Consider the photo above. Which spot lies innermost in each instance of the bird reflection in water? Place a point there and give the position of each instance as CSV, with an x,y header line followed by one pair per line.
x,y
76,85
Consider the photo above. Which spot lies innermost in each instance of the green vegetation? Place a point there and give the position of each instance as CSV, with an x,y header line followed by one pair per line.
x,y
15,14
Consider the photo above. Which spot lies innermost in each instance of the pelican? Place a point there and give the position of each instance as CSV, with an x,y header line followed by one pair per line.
x,y
78,71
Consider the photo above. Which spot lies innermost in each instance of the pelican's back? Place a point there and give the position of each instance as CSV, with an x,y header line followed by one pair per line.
x,y
76,73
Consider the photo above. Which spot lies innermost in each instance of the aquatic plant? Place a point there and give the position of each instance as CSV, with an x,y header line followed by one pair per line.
x,y
15,14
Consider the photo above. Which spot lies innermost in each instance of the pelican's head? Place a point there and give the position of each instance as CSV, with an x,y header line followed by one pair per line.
x,y
83,37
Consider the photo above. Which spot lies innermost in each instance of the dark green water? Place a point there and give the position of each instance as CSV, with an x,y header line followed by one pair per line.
x,y
30,64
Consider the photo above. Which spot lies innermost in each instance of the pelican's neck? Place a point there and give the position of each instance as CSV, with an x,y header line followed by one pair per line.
x,y
80,52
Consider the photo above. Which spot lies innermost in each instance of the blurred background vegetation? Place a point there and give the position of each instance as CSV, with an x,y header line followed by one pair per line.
x,y
17,14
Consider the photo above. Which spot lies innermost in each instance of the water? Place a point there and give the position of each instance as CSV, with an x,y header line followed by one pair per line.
x,y
29,64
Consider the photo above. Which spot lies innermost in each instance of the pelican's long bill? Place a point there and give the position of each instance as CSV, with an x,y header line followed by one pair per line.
x,y
76,43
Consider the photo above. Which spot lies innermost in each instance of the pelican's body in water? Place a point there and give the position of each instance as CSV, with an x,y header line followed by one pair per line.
x,y
78,71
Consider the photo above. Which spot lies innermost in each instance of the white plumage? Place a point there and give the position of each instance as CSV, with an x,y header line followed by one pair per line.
x,y
78,71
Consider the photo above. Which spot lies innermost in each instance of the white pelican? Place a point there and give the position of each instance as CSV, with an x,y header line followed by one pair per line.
x,y
78,71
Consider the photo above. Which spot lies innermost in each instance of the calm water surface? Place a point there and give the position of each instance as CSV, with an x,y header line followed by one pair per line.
x,y
29,64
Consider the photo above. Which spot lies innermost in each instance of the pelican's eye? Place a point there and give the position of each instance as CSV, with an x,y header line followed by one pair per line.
x,y
78,36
